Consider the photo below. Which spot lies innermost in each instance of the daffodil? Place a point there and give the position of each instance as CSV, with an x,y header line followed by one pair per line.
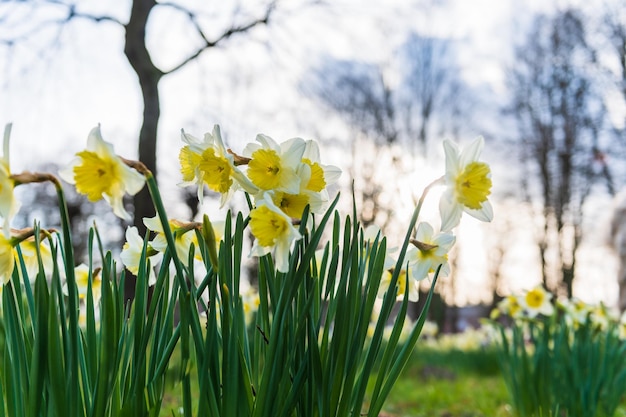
x,y
99,173
9,205
273,166
273,232
314,180
7,259
208,162
184,237
401,288
132,251
509,306
429,251
82,282
468,183
537,301
28,247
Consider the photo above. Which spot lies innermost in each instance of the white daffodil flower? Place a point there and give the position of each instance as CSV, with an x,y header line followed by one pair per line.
x,y
537,301
273,166
99,173
183,239
131,254
9,205
273,232
468,184
208,162
429,251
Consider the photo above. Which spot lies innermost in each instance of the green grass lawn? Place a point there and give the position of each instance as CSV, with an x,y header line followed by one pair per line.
x,y
435,383
449,383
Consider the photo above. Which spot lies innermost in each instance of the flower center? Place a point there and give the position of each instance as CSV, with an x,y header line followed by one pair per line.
x,y
96,175
473,185
267,226
291,204
534,299
264,169
216,171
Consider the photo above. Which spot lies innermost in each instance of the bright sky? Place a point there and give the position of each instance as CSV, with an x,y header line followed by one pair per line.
x,y
54,96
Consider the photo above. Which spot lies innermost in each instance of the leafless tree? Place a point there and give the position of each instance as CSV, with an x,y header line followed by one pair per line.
x,y
386,113
559,115
139,57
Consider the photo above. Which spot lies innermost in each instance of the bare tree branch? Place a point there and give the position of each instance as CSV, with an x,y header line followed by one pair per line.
x,y
225,35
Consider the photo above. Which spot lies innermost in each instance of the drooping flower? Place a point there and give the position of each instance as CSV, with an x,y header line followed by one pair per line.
x,y
7,259
273,232
273,166
183,238
9,205
537,301
131,254
208,162
99,173
429,251
468,184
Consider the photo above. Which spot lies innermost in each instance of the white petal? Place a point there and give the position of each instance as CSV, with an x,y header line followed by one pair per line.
x,y
450,212
292,151
267,142
472,152
424,232
485,213
133,180
452,158
311,151
331,174
67,173
153,224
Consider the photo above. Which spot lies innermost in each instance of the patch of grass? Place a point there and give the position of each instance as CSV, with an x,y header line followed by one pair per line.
x,y
450,383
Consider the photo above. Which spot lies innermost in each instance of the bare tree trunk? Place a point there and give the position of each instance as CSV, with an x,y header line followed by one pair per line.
x,y
149,76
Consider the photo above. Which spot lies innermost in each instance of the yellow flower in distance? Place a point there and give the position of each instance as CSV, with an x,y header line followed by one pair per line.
x,y
273,232
537,301
99,173
429,250
28,247
468,184
8,204
208,162
401,285
7,259
273,166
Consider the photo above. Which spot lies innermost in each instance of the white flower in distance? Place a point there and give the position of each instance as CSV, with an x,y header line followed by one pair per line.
x,y
183,238
468,184
273,232
99,173
207,161
537,301
9,205
429,251
401,285
131,254
273,166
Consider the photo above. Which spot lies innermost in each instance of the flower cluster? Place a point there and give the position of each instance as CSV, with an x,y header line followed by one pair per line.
x,y
282,180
